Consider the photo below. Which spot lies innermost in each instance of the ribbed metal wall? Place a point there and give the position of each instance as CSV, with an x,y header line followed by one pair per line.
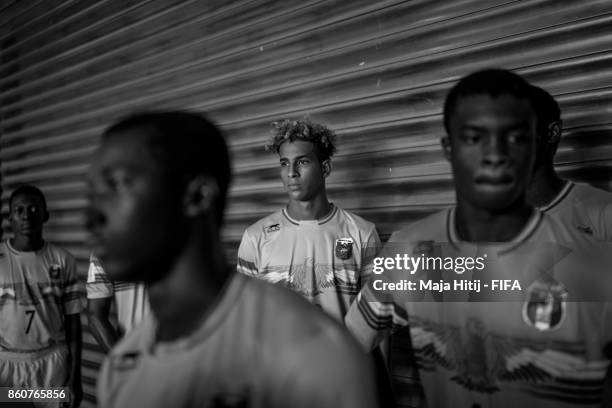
x,y
376,72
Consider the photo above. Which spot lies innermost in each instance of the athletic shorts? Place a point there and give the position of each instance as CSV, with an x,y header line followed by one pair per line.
x,y
44,368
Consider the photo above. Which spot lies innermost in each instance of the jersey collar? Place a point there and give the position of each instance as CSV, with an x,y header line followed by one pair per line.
x,y
562,194
319,221
503,247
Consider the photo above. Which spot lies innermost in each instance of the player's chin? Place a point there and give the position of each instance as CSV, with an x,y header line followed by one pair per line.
x,y
120,268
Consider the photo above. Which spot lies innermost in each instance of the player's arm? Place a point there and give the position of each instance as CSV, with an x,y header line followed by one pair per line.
x,y
371,248
247,256
75,342
98,312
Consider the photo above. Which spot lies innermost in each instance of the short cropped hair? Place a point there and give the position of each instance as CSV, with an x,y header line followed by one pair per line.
x,y
28,190
491,82
287,130
546,107
187,144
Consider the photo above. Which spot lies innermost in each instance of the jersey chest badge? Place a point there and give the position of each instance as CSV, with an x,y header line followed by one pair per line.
x,y
545,306
54,271
344,248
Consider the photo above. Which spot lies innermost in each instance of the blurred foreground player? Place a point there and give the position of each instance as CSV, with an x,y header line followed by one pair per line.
x,y
487,347
41,299
131,301
581,207
215,338
311,246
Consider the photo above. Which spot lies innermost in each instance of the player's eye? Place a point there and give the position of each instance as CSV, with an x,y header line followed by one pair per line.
x,y
471,137
284,164
516,137
303,162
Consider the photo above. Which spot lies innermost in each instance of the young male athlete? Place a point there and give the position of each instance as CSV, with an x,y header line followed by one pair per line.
x,y
479,340
41,297
214,338
311,246
579,206
131,301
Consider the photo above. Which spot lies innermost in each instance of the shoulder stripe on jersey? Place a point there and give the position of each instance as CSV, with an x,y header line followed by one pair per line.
x,y
246,267
560,197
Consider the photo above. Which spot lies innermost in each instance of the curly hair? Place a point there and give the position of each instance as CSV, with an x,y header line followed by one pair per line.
x,y
290,130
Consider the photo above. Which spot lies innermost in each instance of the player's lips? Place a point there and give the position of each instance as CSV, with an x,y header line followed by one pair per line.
x,y
293,186
494,179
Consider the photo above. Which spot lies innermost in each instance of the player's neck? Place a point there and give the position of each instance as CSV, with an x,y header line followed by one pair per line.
x,y
27,244
314,209
545,186
475,224
183,300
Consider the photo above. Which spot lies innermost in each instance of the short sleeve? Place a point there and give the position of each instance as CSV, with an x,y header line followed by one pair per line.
x,y
73,298
370,249
247,256
98,284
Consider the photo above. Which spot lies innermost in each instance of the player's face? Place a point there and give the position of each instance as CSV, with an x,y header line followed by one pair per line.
x,y
491,149
134,217
302,173
27,217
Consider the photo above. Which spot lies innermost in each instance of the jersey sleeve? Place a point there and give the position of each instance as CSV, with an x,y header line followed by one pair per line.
x,y
98,284
73,298
247,256
371,248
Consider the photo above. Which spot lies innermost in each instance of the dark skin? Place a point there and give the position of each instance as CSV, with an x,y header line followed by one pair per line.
x,y
546,183
27,217
303,176
491,149
173,246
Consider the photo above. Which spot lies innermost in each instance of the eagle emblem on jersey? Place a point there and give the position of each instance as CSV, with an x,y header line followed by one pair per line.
x,y
480,360
54,271
545,305
344,248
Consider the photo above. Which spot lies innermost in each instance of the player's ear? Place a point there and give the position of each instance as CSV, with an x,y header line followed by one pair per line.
x,y
326,166
446,147
554,131
200,195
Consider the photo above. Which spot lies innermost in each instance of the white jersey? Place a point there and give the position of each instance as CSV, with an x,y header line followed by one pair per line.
x,y
261,347
492,346
323,259
584,208
37,289
131,298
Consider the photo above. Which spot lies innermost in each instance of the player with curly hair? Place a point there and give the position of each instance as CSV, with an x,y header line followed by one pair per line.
x,y
311,246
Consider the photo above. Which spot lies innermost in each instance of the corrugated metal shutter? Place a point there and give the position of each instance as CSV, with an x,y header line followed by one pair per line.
x,y
376,72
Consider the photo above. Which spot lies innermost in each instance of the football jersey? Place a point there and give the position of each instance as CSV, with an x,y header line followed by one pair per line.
x,y
37,289
584,208
320,259
536,345
131,298
261,347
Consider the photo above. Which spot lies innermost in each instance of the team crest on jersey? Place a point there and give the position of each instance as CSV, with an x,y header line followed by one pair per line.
x,y
344,248
545,306
272,228
54,271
